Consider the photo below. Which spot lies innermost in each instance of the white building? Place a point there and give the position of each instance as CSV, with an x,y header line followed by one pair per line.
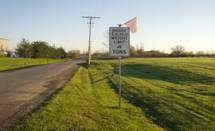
x,y
4,44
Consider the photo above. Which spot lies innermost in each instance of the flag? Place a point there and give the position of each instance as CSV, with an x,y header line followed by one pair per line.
x,y
132,24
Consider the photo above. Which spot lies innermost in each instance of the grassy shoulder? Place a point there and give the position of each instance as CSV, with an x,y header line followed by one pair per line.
x,y
158,94
16,63
84,104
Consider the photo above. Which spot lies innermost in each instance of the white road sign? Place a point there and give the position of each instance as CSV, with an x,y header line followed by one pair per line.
x,y
119,40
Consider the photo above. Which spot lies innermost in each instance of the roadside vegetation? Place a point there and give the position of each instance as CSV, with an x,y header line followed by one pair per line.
x,y
39,49
28,54
43,49
158,94
16,63
176,51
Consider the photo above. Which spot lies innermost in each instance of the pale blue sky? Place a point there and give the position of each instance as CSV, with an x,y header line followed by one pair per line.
x,y
163,23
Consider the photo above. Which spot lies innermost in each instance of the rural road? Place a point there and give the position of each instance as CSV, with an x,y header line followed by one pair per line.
x,y
23,90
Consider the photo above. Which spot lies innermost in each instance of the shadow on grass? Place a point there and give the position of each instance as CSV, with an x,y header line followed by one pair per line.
x,y
177,76
101,79
150,105
161,110
145,104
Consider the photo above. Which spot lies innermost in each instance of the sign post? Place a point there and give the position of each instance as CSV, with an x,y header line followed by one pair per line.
x,y
120,81
119,39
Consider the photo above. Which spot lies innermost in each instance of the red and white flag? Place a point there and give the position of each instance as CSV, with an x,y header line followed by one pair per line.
x,y
132,24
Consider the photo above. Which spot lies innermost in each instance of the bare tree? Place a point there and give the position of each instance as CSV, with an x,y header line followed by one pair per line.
x,y
178,50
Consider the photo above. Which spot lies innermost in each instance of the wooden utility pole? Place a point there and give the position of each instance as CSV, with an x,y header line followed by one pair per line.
x,y
90,27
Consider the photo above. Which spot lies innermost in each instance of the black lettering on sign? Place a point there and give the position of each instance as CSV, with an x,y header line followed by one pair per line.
x,y
119,52
114,38
119,46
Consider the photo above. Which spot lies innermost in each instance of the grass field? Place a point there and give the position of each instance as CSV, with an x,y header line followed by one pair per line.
x,y
15,63
158,94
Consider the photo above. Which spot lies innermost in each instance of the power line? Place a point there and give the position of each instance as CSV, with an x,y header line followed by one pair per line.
x,y
90,24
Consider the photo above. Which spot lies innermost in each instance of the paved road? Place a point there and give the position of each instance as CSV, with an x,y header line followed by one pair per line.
x,y
23,90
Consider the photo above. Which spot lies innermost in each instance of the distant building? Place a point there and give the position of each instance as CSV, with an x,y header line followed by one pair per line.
x,y
4,44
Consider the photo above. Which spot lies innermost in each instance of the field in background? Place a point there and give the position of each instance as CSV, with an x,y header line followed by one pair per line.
x,y
158,94
15,63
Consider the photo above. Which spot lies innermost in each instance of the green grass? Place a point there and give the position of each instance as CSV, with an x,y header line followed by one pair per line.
x,y
158,94
16,63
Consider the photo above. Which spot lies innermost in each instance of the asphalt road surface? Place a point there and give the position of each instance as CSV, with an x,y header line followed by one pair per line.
x,y
23,90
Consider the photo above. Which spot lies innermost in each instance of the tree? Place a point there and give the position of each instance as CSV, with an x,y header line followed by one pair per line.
x,y
54,52
133,51
61,53
200,53
140,50
178,50
24,49
73,54
154,53
41,49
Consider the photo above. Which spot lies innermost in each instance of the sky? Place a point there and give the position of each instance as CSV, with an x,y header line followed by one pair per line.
x,y
162,23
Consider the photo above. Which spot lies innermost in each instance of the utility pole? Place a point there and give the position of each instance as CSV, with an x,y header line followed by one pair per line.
x,y
90,26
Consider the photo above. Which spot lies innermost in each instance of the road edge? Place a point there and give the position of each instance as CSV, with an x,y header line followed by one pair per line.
x,y
36,103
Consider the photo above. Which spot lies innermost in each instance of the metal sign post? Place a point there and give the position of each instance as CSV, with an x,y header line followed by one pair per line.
x,y
119,38
120,81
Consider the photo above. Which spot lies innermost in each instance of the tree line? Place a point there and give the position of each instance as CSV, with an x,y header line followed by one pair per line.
x,y
42,49
176,51
39,49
